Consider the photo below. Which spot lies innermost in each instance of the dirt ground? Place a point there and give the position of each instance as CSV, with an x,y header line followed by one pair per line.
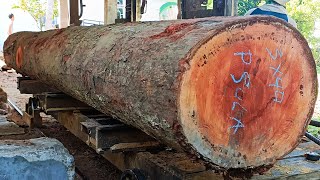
x,y
88,163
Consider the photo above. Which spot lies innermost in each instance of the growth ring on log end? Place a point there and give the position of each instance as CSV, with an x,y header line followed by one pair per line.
x,y
248,94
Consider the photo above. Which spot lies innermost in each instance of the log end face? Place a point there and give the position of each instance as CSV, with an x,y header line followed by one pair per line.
x,y
19,57
8,49
13,50
249,95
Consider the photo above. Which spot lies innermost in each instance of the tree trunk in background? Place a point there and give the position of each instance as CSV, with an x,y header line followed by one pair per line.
x,y
49,14
238,91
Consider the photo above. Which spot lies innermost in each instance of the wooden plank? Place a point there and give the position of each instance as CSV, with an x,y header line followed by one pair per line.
x,y
294,165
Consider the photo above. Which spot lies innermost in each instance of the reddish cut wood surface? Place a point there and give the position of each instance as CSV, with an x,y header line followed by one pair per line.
x,y
248,93
19,57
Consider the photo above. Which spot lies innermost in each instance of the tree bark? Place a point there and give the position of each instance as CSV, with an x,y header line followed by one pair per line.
x,y
238,91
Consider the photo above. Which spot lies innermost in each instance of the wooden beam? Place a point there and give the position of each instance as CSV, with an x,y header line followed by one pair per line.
x,y
110,11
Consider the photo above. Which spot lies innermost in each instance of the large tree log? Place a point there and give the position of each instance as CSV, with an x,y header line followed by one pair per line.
x,y
237,91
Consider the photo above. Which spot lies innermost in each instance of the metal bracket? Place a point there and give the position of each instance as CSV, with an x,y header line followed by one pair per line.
x,y
105,133
32,113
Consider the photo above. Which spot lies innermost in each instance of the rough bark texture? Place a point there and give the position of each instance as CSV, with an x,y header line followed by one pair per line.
x,y
238,91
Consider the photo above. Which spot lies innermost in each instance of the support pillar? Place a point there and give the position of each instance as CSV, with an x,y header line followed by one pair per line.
x,y
74,12
63,13
231,8
110,11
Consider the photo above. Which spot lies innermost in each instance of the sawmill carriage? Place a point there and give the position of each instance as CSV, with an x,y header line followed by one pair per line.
x,y
183,99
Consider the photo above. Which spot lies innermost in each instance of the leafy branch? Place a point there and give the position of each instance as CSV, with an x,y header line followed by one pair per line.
x,y
37,9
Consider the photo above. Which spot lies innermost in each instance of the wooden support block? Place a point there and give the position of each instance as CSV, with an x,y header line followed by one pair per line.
x,y
72,121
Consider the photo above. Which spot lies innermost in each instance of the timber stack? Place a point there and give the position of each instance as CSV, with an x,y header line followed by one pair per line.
x,y
238,92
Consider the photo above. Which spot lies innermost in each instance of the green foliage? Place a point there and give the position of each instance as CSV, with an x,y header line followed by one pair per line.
x,y
37,9
34,7
245,5
55,9
314,130
305,13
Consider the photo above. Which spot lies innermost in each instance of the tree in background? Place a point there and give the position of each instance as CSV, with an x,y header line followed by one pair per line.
x,y
245,5
306,13
37,9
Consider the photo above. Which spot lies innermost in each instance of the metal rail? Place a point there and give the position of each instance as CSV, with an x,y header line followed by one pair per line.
x,y
312,138
315,123
15,107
